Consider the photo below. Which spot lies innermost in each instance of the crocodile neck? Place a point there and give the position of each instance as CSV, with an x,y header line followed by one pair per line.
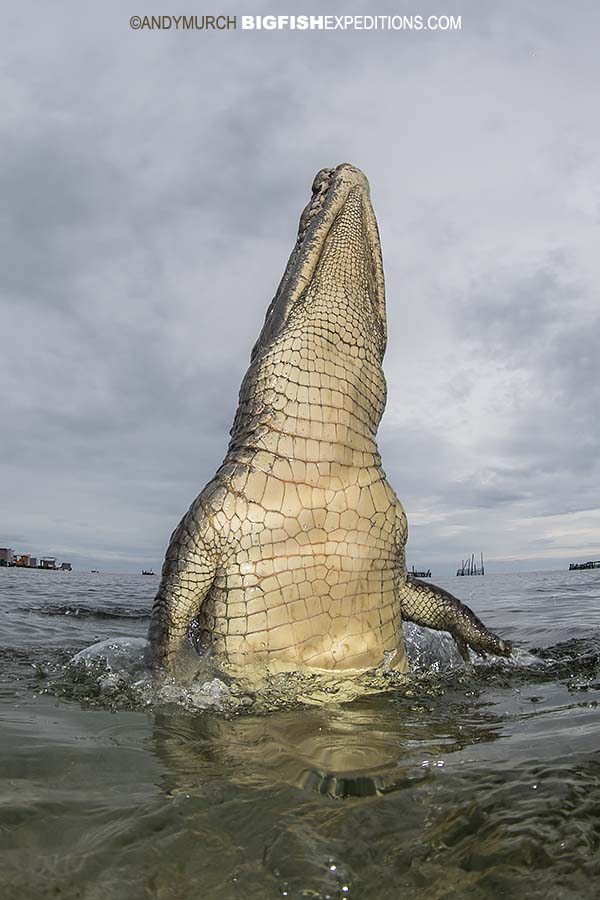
x,y
315,390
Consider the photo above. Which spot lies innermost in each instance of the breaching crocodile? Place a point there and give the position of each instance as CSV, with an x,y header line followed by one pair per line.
x,y
293,556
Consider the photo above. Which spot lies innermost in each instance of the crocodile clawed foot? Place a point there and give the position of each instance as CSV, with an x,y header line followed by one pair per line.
x,y
505,648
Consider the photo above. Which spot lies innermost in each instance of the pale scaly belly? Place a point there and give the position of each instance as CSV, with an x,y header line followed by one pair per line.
x,y
328,606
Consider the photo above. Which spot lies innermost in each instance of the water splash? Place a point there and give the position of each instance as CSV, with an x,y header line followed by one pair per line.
x,y
117,655
114,673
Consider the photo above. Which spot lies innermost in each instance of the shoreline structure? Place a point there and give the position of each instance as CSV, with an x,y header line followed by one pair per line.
x,y
11,560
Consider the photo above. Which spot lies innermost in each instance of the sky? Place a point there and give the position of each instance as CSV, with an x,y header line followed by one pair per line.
x,y
152,183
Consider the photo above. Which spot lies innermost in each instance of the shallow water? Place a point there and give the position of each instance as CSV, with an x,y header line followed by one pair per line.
x,y
478,782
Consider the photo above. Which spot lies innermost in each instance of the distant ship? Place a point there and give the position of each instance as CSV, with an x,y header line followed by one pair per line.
x,y
147,572
426,573
95,571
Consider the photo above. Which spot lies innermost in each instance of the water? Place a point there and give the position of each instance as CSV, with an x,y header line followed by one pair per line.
x,y
477,782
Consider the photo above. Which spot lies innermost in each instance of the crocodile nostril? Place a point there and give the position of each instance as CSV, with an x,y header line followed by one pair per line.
x,y
321,178
320,188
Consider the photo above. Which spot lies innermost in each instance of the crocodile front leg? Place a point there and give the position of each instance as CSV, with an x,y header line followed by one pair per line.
x,y
431,606
187,577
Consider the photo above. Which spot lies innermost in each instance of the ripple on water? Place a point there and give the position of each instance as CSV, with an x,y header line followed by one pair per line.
x,y
475,782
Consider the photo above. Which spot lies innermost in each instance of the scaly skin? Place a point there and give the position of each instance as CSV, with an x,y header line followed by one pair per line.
x,y
292,557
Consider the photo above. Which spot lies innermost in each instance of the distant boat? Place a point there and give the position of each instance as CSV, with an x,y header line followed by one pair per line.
x,y
95,571
592,564
147,572
423,574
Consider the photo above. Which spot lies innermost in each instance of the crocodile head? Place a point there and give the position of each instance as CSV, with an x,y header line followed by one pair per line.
x,y
335,271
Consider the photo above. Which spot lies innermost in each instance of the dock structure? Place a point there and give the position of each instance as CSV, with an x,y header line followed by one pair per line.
x,y
468,566
423,574
592,564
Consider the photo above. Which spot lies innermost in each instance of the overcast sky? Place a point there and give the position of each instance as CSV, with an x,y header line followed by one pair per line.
x,y
151,189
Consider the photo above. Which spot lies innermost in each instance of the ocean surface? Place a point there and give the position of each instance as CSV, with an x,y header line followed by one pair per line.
x,y
458,782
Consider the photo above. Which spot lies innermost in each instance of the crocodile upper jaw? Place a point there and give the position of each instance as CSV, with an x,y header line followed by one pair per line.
x,y
331,191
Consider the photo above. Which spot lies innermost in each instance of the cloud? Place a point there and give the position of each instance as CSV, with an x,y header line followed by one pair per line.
x,y
152,184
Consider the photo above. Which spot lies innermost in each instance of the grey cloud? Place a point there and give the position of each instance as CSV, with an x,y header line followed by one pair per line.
x,y
152,185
